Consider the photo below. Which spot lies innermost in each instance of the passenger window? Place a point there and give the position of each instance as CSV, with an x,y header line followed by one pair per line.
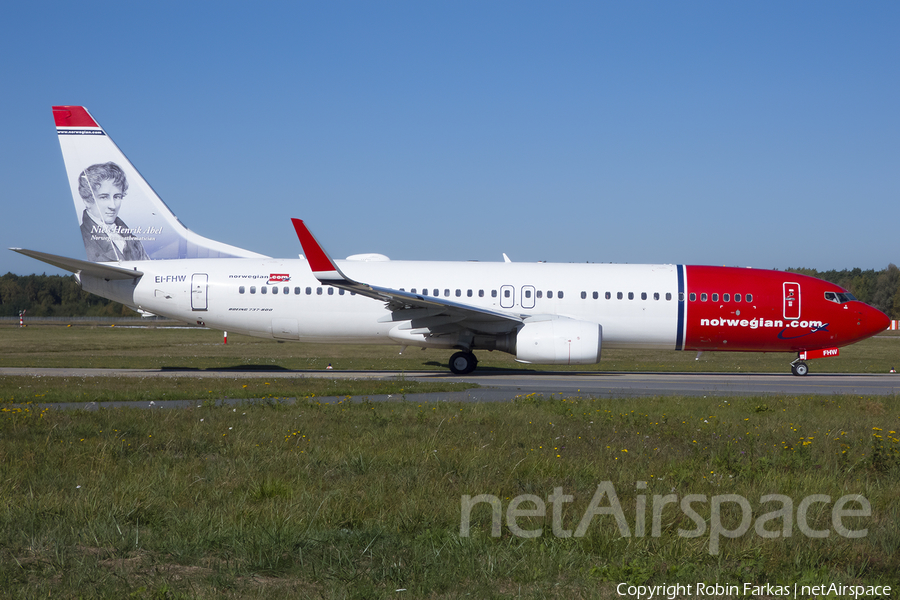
x,y
737,297
726,297
539,294
559,295
644,295
528,294
631,295
436,293
596,295
318,291
608,295
583,295
749,297
469,293
341,292
263,290
446,293
703,297
274,290
656,295
549,294
308,291
618,295
331,291
241,290
715,297
252,289
493,293
693,296
506,293
680,296
412,291
458,293
481,293
297,291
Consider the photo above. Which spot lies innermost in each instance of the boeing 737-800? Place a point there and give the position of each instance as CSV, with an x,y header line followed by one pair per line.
x,y
140,254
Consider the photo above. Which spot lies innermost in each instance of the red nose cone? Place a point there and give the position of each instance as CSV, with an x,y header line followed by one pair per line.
x,y
876,321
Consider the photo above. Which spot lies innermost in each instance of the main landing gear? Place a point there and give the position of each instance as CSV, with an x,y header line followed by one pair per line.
x,y
463,363
798,367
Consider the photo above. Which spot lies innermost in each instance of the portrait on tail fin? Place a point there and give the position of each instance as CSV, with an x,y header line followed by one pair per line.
x,y
122,218
107,238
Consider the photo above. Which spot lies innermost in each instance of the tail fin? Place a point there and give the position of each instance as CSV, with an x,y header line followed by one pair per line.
x,y
109,192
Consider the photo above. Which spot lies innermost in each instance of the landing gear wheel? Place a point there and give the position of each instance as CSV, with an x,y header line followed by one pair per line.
x,y
463,363
800,369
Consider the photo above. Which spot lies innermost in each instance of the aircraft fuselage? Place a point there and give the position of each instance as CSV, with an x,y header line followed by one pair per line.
x,y
672,307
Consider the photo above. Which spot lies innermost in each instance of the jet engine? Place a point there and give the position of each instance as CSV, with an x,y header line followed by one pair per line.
x,y
553,340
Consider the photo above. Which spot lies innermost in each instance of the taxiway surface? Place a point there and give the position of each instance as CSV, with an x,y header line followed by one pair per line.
x,y
501,386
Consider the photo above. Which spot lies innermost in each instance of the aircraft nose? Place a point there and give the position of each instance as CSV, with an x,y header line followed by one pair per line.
x,y
874,321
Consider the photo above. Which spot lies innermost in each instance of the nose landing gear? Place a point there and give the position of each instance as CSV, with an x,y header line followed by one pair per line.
x,y
799,368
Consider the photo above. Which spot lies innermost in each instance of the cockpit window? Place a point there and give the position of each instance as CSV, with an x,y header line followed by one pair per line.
x,y
839,297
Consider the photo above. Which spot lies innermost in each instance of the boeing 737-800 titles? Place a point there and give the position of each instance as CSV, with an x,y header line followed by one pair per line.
x,y
139,254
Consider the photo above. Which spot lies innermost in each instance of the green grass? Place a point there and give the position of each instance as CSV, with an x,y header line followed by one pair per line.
x,y
38,390
119,347
357,500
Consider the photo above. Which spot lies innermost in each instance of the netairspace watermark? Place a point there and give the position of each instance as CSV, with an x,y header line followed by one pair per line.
x,y
717,590
605,503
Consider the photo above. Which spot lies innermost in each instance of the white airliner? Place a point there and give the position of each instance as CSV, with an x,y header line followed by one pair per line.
x,y
139,254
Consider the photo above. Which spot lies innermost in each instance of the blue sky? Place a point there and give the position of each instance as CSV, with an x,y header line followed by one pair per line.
x,y
757,134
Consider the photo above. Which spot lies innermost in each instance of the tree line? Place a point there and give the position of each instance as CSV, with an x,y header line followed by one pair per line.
x,y
61,296
53,296
880,289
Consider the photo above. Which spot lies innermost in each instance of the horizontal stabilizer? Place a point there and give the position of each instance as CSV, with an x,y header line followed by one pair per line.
x,y
83,267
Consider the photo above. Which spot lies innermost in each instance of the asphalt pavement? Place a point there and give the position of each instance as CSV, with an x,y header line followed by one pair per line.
x,y
504,386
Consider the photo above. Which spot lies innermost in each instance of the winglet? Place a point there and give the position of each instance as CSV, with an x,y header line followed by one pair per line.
x,y
321,264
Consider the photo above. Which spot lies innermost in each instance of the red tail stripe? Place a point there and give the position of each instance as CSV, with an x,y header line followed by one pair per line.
x,y
72,116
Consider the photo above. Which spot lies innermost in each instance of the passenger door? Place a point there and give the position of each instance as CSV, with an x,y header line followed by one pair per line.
x,y
199,285
791,301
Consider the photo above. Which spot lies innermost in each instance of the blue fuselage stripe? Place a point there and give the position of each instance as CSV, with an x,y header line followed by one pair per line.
x,y
682,297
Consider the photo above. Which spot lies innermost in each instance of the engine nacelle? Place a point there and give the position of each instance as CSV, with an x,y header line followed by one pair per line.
x,y
559,341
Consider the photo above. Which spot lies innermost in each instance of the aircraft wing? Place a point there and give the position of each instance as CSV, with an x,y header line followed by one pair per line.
x,y
101,270
433,313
